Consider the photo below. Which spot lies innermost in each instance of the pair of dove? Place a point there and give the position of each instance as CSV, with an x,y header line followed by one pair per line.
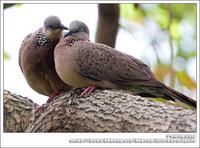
x,y
52,62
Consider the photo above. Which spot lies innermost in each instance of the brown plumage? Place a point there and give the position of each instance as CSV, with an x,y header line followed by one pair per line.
x,y
36,58
80,63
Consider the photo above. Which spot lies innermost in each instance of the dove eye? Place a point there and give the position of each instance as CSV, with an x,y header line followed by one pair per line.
x,y
51,27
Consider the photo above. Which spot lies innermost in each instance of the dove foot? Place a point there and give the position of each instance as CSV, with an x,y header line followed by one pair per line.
x,y
88,90
52,96
39,109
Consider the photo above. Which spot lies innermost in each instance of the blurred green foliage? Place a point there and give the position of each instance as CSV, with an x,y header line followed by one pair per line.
x,y
6,56
8,5
179,21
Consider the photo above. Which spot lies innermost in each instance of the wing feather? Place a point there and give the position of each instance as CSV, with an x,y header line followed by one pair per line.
x,y
101,62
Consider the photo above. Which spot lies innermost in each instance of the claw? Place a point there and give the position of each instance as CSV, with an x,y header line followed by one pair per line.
x,y
39,108
52,96
88,90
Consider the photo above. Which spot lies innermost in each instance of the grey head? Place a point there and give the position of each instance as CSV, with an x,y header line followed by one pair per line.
x,y
53,22
53,27
77,27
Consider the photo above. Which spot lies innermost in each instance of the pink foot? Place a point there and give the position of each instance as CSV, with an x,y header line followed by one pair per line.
x,y
51,97
88,90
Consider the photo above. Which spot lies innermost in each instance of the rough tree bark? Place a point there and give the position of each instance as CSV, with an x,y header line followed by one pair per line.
x,y
108,22
102,111
18,112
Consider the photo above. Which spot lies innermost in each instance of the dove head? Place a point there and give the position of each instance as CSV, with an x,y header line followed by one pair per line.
x,y
78,29
53,27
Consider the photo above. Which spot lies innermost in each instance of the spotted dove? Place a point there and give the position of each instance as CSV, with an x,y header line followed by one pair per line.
x,y
80,63
36,58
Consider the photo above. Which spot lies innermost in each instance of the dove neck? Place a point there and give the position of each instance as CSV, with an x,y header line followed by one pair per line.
x,y
79,36
53,35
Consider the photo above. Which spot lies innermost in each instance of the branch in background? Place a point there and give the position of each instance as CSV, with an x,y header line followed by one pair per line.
x,y
171,70
156,53
102,111
8,5
108,21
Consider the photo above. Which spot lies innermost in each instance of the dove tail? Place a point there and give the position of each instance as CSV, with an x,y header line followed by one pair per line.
x,y
173,95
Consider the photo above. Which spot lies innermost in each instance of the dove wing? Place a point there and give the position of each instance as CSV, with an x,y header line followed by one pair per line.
x,y
101,62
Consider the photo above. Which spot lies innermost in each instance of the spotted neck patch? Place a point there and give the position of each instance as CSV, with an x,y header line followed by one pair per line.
x,y
40,39
73,42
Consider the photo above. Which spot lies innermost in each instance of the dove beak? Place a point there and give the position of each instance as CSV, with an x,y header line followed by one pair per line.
x,y
63,27
67,34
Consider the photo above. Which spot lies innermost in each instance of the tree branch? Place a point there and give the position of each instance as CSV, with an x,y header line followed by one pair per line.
x,y
18,112
108,23
102,111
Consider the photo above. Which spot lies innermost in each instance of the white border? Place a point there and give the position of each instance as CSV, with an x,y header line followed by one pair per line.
x,y
62,139
99,1
1,54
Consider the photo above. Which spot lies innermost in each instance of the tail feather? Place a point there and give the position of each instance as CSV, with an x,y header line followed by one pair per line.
x,y
173,95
